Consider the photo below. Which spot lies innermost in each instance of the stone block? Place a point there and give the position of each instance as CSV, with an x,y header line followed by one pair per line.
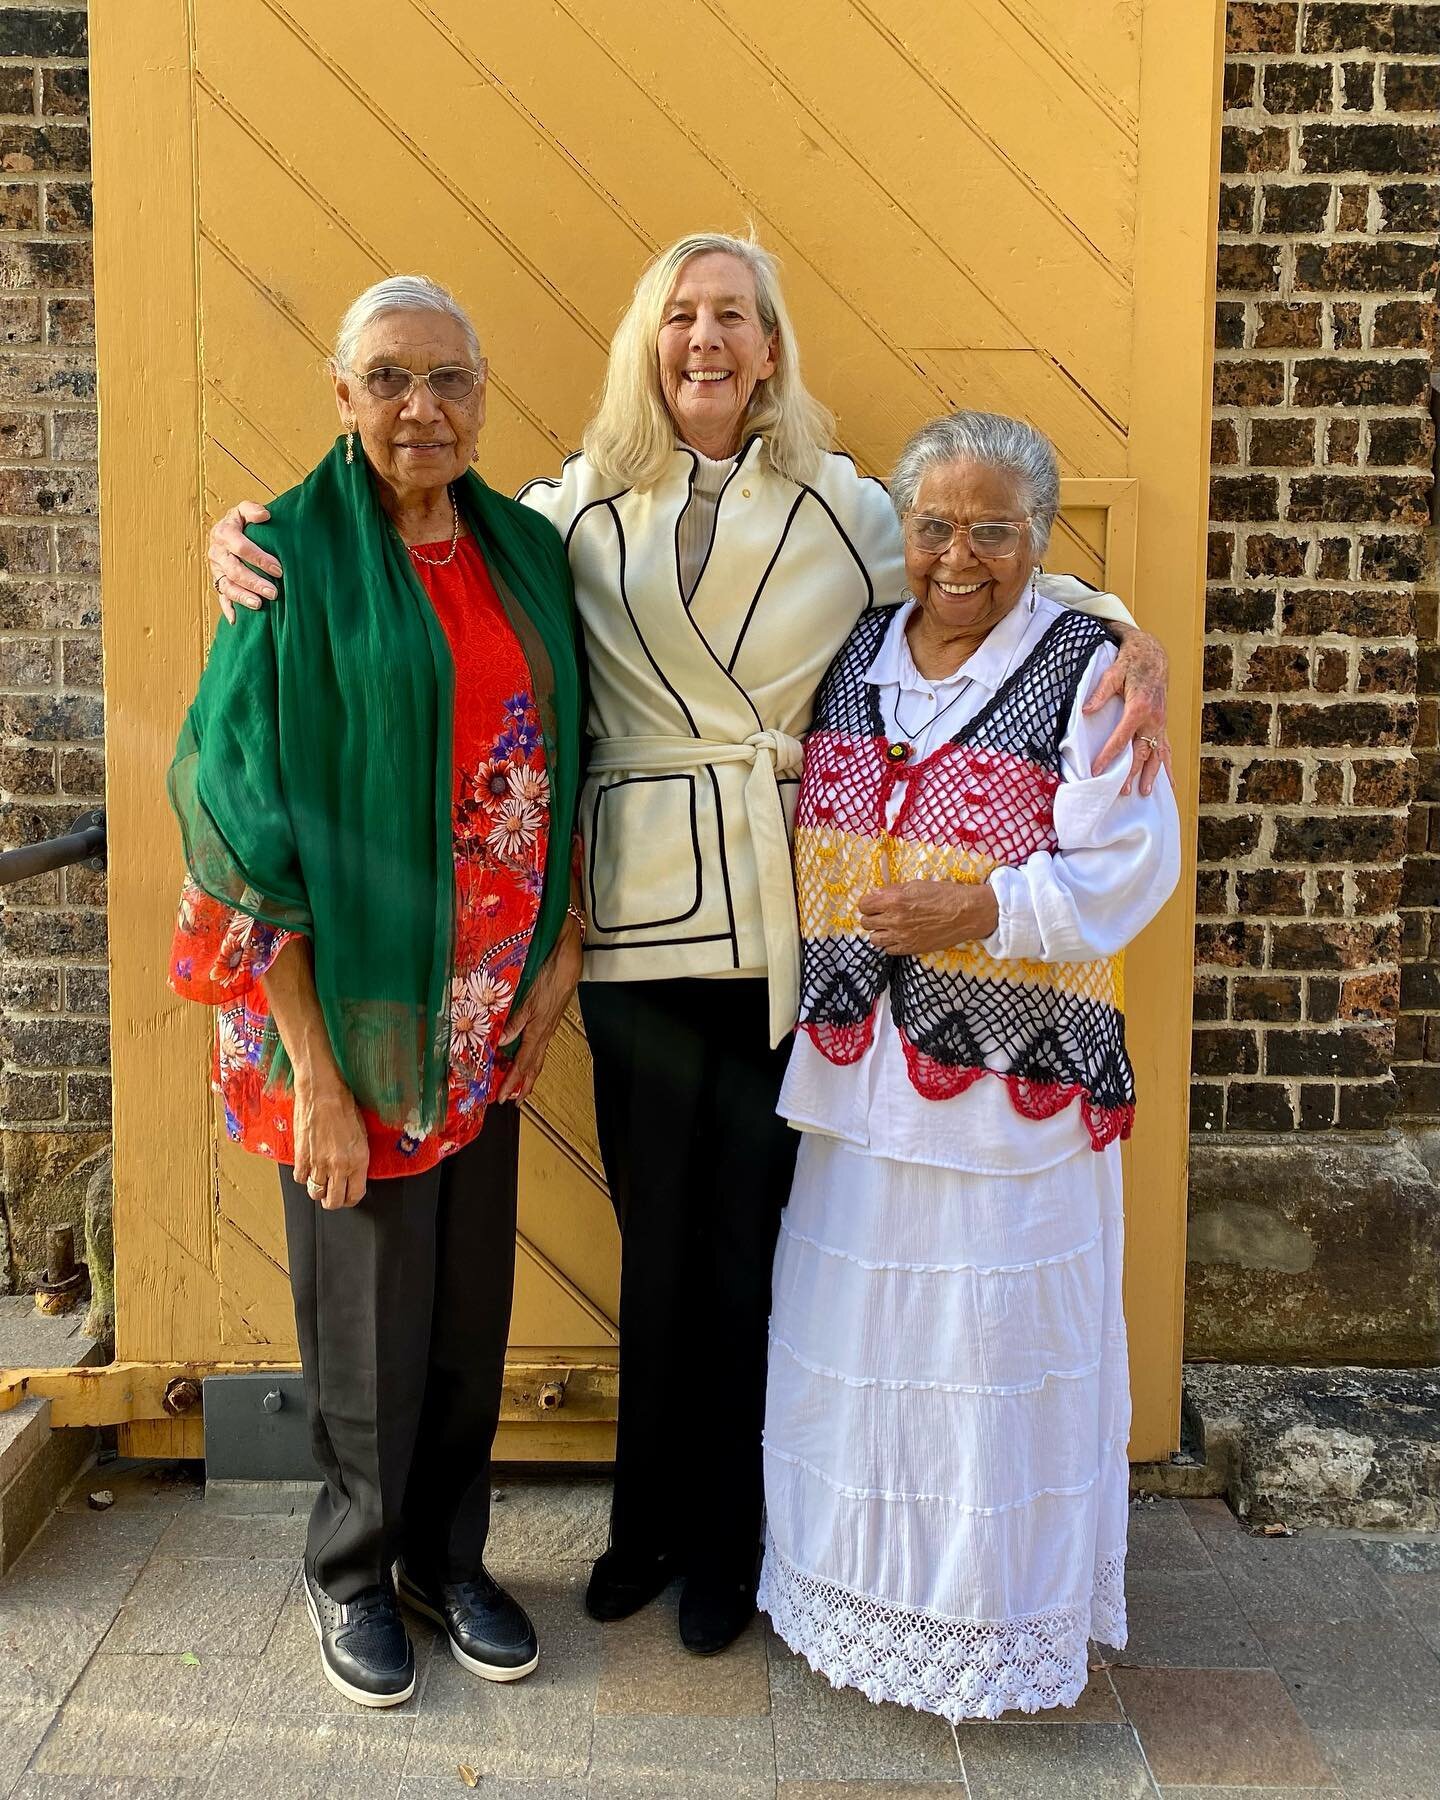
x,y
639,1758
46,1177
1313,1252
1220,1727
202,1606
1053,1762
147,1717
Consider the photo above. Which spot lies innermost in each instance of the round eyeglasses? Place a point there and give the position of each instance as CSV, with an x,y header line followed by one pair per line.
x,y
990,539
388,382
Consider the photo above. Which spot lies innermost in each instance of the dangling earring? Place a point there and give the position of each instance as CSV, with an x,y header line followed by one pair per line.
x,y
349,446
1032,591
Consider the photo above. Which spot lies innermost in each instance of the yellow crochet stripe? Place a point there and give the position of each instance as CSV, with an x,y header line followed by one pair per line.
x,y
833,869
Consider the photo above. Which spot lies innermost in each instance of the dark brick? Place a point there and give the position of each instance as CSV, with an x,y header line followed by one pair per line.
x,y
1357,87
1403,325
1289,325
1332,673
74,436
1247,152
32,263
82,773
70,321
1389,557
1224,443
48,148
48,932
1271,782
1317,1105
1375,724
27,768
1260,27
68,206
1258,1106
1235,944
1377,890
1368,1105
1236,721
1261,893
1219,555
1342,442
1266,998
1277,669
25,549
28,663
1387,671
56,1043
1296,87
1212,892
1303,208
1247,267
54,491
1413,87
1332,561
1266,554
1335,1053
1353,211
29,1099
1225,1053
1410,206
1238,87
1282,443
19,206
1238,496
22,434
1348,26
1247,381
1420,986
1329,787
1226,609
1346,381
1214,781
87,1099
41,32
82,664
1370,149
1402,443
1345,325
1347,499
48,717
1349,838
1371,999
1229,324
1322,999
1349,944
17,89
66,93
1209,998
1219,667
1223,839
1422,882
1207,1106
87,991
1409,1038
30,990
20,319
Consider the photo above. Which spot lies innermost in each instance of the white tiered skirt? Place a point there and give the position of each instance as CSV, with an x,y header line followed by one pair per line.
x,y
946,1424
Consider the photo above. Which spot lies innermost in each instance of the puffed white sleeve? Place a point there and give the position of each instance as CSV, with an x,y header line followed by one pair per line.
x,y
865,517
1115,864
558,500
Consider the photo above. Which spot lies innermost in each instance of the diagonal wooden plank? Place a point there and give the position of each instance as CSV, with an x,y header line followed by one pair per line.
x,y
1108,74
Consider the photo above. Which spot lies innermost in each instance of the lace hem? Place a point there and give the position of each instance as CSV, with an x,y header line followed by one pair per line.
x,y
958,1668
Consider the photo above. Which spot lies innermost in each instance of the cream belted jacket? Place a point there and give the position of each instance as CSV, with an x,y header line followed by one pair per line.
x,y
697,712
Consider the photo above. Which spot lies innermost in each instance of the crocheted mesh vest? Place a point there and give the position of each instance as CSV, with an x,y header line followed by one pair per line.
x,y
1053,1032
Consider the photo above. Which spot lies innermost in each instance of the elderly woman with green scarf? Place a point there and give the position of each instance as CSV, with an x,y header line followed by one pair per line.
x,y
376,789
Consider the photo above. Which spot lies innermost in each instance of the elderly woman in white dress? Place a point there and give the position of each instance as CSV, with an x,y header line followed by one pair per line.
x,y
721,552
948,1404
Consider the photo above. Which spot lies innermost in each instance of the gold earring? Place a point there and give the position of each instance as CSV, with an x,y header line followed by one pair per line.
x,y
349,446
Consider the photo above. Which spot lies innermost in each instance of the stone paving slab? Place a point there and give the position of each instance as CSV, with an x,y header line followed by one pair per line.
x,y
1384,1765
209,1607
646,1669
101,1787
651,1758
1187,1618
147,1716
1220,1727
1359,1675
1054,1762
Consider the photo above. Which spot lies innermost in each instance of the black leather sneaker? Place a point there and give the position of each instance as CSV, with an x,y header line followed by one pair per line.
x,y
714,1610
364,1650
621,1583
489,1631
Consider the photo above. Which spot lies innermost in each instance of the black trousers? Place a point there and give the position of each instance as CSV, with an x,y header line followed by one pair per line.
x,y
402,1305
699,1168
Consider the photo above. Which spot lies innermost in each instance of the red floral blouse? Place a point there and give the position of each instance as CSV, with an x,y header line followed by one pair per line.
x,y
501,827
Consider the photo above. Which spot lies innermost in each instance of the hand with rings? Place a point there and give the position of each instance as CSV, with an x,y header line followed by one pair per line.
x,y
332,1151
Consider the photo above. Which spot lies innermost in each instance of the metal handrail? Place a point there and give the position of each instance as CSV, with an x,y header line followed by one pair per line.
x,y
83,843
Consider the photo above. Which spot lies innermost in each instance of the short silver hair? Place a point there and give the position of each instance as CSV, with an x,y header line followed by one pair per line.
x,y
996,442
399,293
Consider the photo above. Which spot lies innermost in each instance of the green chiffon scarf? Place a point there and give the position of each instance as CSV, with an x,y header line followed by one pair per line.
x,y
312,778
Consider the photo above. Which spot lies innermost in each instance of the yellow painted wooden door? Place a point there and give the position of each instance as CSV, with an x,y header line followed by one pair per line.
x,y
996,203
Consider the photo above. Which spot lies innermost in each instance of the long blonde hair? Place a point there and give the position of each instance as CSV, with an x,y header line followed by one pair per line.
x,y
632,436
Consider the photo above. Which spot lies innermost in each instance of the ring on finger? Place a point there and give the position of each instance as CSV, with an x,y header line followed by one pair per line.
x,y
1153,743
315,1188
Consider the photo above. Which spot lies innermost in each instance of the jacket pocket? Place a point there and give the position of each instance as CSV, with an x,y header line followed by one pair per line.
x,y
644,865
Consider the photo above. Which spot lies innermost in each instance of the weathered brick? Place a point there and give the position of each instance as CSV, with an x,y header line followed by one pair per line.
x,y
1260,27
1277,669
1268,554
68,206
1212,892
1271,782
56,1043
47,263
1374,723
1386,671
1226,609
25,549
1411,206
64,375
28,662
1377,890
1322,999
1282,443
1402,443
1235,944
1219,555
1342,442
1266,999
1377,499
49,491
1347,838
1377,266
1224,442
1317,1105
1231,496
70,320
73,436
1370,149
1345,325
1296,87
1207,1105
30,1099
1237,88
17,88
65,93
1368,1106
1364,1051
1384,782
1237,206
1352,212
1261,893
1349,944
1258,1106
1412,87
20,319
19,206
75,933
1248,382
1247,267
1229,324
1219,668
1332,559
80,663
1225,1052
77,550
1422,882
67,718
82,773
1222,838
1360,381
87,1099
1357,87
1327,789
42,32
1392,557
27,768
1289,325
1365,999
1237,721
1294,208
22,434
28,989
1403,325
1332,673
49,148
1209,998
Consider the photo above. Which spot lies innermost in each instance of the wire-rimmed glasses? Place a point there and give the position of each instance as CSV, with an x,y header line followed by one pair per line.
x,y
390,382
989,539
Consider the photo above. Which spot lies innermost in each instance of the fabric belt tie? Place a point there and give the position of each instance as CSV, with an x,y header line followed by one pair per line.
x,y
769,754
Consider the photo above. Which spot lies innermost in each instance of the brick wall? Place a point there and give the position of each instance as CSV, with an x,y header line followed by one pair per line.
x,y
1326,270
1417,1035
54,1034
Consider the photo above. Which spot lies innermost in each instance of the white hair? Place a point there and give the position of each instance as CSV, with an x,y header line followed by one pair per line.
x,y
632,435
398,293
995,441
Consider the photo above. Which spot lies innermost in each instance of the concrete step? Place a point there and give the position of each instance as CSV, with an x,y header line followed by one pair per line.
x,y
37,1464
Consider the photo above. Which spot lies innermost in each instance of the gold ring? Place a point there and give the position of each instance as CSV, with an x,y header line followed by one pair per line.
x,y
1154,743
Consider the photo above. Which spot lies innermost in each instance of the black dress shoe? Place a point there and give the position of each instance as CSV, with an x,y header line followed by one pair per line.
x,y
364,1650
714,1610
621,1583
489,1631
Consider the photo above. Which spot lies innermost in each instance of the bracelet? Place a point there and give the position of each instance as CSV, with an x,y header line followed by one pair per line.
x,y
573,912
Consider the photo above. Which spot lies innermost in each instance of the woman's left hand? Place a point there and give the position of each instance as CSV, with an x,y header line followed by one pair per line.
x,y
540,1012
1140,675
914,917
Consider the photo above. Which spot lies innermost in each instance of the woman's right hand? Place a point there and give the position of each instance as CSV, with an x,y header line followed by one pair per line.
x,y
332,1152
238,567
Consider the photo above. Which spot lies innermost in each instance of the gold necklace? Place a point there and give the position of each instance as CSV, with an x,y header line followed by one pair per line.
x,y
439,562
